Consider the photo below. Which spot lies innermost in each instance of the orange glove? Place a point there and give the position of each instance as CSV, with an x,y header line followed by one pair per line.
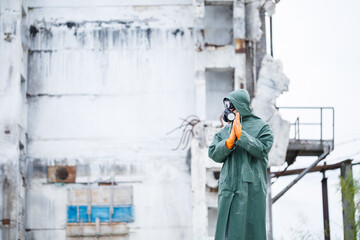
x,y
237,126
229,143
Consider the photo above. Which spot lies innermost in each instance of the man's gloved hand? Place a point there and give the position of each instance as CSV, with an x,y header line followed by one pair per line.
x,y
237,126
235,132
229,143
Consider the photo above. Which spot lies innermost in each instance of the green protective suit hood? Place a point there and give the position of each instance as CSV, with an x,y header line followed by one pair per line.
x,y
241,101
243,176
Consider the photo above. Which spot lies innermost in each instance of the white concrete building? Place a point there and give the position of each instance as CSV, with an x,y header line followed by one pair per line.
x,y
88,91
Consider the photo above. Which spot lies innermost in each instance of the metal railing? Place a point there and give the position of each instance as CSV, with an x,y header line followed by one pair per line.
x,y
321,110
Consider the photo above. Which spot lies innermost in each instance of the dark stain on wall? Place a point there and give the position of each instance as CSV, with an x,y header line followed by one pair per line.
x,y
36,169
178,31
99,35
115,36
33,31
31,52
148,36
103,37
70,25
47,32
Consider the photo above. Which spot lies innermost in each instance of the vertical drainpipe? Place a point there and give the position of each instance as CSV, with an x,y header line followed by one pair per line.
x,y
239,39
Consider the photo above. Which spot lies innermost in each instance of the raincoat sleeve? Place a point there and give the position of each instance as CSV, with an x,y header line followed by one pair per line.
x,y
217,150
260,146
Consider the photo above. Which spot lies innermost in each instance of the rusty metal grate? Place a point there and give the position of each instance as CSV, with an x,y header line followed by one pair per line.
x,y
320,123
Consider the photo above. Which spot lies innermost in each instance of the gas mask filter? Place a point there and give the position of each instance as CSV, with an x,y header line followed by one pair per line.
x,y
228,115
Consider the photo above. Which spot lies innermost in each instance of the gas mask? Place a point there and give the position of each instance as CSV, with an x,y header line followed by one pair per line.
x,y
229,115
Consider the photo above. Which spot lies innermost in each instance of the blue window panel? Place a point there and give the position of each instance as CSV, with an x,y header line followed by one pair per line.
x,y
83,215
123,214
101,212
71,214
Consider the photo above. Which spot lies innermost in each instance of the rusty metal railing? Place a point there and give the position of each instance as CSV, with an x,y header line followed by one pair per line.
x,y
297,124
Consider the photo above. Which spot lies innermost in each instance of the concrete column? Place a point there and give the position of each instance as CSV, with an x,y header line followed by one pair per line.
x,y
348,201
12,74
261,45
253,35
239,39
198,179
325,207
200,81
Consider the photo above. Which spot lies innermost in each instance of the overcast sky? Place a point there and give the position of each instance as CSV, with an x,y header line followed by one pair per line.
x,y
319,45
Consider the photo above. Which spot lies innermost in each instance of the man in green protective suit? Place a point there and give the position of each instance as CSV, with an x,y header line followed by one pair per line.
x,y
242,147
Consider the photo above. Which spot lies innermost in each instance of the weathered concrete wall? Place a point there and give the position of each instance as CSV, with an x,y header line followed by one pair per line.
x,y
13,74
106,83
272,82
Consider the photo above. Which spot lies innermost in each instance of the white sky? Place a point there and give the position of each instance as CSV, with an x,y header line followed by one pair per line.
x,y
319,45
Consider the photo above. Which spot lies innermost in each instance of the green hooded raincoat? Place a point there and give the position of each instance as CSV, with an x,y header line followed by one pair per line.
x,y
243,180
